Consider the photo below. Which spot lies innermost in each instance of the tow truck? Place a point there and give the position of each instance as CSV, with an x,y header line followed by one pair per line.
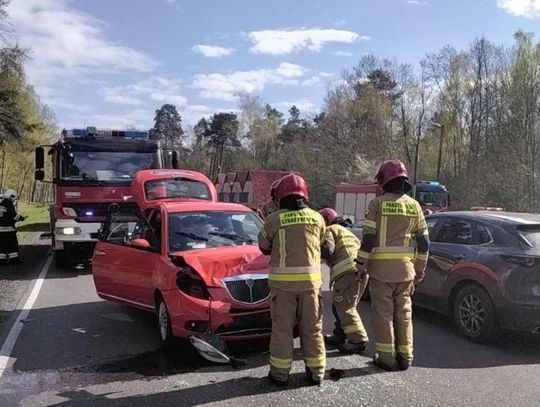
x,y
91,169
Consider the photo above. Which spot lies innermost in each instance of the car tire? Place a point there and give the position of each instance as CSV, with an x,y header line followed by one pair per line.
x,y
474,314
63,259
164,324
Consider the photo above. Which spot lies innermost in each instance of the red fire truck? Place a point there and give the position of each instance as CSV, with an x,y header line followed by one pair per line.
x,y
91,169
352,199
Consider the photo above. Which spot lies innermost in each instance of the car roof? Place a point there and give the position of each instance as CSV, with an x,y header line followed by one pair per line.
x,y
492,216
191,206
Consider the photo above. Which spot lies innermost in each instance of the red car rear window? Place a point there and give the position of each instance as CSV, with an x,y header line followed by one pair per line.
x,y
176,188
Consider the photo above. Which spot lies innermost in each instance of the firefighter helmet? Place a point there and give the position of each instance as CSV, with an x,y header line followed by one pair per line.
x,y
11,194
292,184
389,170
329,215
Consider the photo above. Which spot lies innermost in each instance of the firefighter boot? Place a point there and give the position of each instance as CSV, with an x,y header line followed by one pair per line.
x,y
402,363
352,347
313,378
278,379
383,362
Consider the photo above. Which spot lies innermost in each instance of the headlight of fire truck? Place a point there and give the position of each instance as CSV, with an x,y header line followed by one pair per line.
x,y
69,231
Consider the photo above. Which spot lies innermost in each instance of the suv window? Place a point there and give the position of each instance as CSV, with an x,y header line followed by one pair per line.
x,y
484,235
431,225
455,231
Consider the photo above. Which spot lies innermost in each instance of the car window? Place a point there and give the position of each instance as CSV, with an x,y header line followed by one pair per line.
x,y
455,231
176,188
484,235
199,230
123,228
431,225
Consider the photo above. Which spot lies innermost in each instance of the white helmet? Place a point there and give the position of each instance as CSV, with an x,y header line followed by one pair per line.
x,y
10,194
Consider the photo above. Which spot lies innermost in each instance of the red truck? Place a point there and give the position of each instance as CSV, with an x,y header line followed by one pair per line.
x,y
91,169
352,199
250,188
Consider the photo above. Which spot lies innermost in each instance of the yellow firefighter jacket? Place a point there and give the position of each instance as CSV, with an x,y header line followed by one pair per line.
x,y
346,246
294,238
395,220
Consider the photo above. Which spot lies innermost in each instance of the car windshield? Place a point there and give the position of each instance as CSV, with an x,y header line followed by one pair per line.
x,y
205,229
531,234
105,166
176,188
429,198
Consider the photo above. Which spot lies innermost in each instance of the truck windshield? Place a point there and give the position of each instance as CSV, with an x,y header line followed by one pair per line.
x,y
205,229
105,166
430,198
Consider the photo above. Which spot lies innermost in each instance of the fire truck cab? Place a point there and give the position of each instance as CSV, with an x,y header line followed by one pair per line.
x,y
91,169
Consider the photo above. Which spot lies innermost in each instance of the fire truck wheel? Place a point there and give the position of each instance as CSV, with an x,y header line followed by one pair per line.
x,y
63,259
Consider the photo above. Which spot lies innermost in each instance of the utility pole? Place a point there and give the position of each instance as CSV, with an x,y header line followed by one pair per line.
x,y
441,138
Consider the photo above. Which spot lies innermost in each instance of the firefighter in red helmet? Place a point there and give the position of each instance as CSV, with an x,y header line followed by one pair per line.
x,y
339,250
394,262
272,205
292,236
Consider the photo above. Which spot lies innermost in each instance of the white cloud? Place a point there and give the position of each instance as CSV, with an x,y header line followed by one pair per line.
x,y
281,42
343,54
521,8
68,42
287,70
212,51
155,89
418,2
226,86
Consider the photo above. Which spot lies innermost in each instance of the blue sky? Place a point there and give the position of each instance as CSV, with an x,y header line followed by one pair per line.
x,y
112,63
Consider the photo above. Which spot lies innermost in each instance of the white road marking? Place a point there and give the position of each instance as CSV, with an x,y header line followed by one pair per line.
x,y
9,344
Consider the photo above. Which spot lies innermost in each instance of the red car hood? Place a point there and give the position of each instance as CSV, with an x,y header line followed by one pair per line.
x,y
217,263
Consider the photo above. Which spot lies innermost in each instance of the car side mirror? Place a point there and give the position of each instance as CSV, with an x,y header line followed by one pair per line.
x,y
141,243
40,158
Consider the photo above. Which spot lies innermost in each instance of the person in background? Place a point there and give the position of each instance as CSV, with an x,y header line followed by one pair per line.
x,y
9,245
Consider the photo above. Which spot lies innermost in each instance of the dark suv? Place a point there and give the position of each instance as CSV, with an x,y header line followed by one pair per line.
x,y
484,271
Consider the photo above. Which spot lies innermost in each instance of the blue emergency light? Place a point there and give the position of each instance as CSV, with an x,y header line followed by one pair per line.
x,y
93,132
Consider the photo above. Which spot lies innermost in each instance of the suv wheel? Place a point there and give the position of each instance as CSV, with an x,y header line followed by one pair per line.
x,y
474,314
164,324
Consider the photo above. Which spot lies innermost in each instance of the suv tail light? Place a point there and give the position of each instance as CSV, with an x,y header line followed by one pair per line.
x,y
525,261
190,283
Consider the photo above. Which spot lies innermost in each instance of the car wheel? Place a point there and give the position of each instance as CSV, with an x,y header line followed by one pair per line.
x,y
474,314
164,324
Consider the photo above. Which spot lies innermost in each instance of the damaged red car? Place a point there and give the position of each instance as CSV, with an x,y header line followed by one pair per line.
x,y
192,261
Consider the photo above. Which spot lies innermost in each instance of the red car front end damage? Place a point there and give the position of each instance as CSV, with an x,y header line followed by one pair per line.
x,y
221,291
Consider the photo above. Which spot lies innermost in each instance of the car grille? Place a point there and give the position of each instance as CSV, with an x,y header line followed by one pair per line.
x,y
92,212
248,289
259,321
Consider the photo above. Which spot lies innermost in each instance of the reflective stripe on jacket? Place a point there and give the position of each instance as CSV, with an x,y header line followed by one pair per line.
x,y
294,239
346,246
395,219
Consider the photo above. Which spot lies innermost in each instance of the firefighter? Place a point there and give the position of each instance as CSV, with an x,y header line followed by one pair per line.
x,y
9,245
272,205
340,250
393,221
292,236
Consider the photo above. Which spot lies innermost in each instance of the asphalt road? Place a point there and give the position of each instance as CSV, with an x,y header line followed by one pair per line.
x,y
77,350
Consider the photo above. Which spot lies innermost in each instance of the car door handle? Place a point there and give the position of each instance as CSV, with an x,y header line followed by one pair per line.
x,y
100,252
460,257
